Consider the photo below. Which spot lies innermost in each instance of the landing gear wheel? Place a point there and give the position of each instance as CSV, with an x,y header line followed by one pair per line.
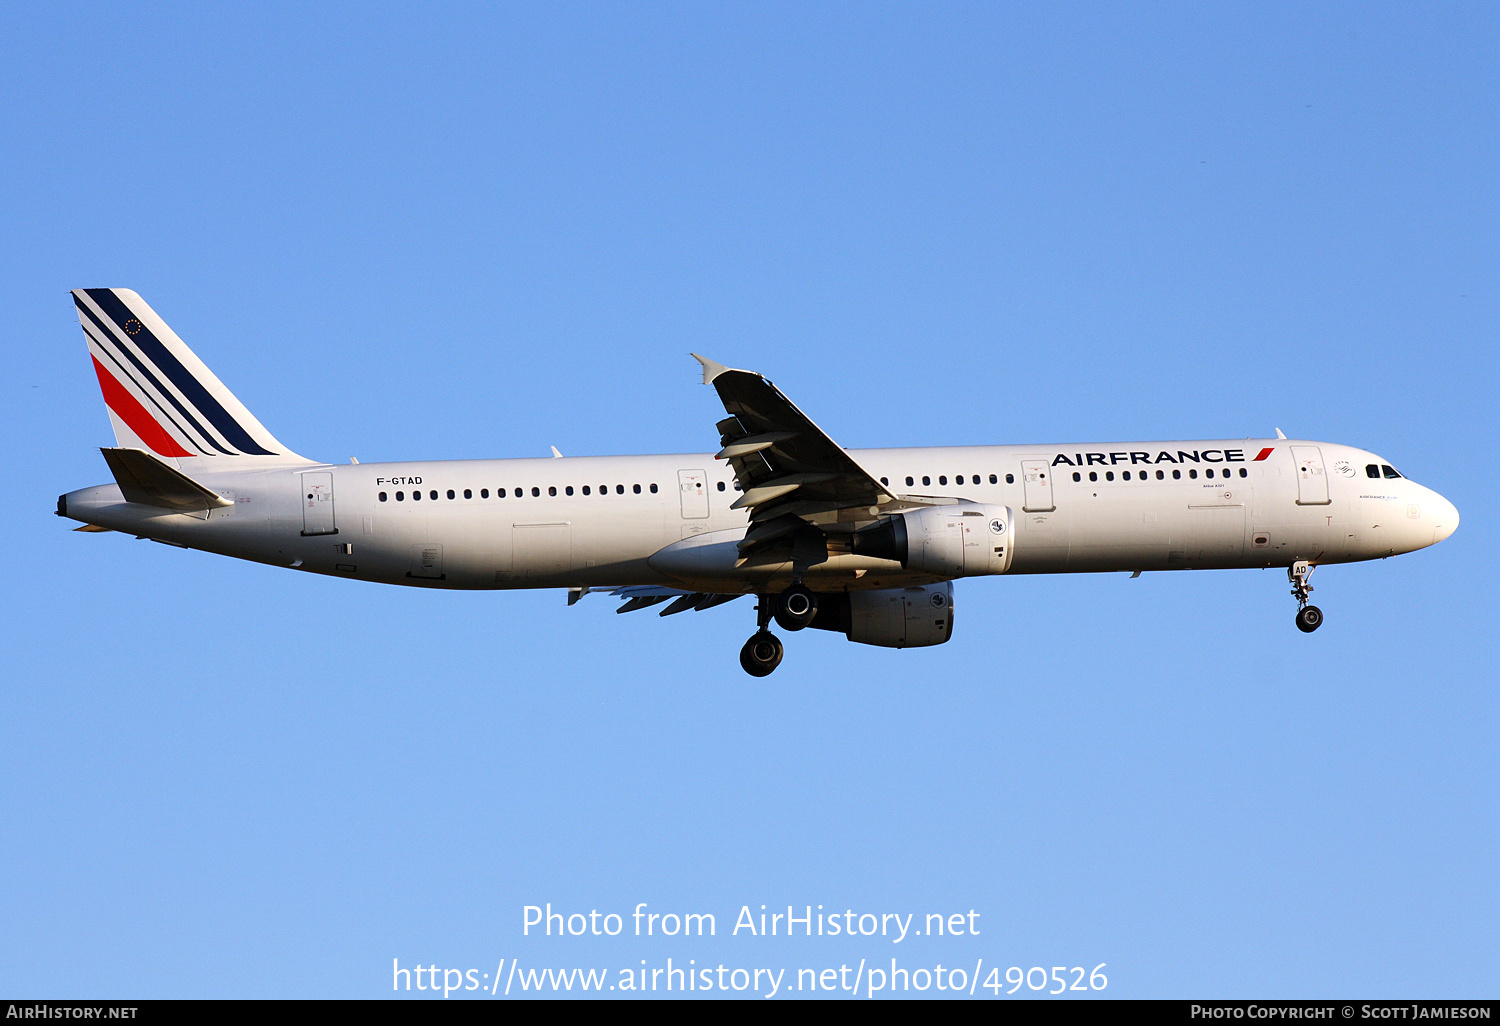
x,y
1309,619
761,654
795,608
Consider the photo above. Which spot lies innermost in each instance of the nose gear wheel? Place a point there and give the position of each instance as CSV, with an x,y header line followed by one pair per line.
x,y
1309,618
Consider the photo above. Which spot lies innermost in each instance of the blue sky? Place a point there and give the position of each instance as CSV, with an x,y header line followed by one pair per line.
x,y
479,231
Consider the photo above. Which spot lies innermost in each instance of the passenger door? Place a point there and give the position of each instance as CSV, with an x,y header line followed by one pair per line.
x,y
1312,481
317,504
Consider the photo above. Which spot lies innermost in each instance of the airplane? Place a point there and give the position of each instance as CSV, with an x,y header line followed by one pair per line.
x,y
866,542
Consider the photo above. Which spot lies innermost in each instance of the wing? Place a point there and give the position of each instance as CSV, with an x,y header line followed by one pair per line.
x,y
799,486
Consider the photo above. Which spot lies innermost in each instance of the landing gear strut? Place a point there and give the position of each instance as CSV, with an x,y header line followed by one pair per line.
x,y
763,652
1309,618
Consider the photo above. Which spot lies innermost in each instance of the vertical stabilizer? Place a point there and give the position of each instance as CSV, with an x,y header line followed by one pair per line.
x,y
161,397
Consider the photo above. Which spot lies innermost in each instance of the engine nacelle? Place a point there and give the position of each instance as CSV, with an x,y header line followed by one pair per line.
x,y
891,617
962,539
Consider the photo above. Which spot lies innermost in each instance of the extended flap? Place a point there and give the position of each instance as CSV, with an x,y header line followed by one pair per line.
x,y
147,480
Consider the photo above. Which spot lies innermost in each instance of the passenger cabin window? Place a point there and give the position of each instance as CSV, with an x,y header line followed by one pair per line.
x,y
882,481
636,489
943,480
909,482
721,485
1372,470
619,489
1176,475
451,494
1093,475
400,496
382,496
926,480
1244,472
586,490
416,496
1193,474
994,479
1389,471
1109,475
721,488
468,493
484,493
1077,476
568,490
1010,479
1161,474
536,493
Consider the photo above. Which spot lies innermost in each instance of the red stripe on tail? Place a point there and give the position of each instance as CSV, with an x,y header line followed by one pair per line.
x,y
1263,454
135,416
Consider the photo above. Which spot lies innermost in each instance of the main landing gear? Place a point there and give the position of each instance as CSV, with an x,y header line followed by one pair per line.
x,y
761,654
793,609
1309,618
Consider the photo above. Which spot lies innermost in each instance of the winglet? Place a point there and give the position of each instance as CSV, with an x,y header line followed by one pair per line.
x,y
711,369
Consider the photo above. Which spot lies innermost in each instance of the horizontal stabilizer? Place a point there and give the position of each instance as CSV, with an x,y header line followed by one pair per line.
x,y
147,480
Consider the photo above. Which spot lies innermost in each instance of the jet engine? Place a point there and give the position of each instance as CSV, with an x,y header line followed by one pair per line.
x,y
957,540
891,617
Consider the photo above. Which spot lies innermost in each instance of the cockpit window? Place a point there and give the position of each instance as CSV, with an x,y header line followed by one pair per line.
x,y
1389,471
1372,470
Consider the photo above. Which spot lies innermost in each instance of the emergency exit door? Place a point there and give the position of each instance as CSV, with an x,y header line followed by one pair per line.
x,y
693,484
1037,476
317,504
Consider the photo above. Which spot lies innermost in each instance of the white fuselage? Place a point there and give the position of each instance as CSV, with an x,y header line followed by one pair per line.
x,y
1185,505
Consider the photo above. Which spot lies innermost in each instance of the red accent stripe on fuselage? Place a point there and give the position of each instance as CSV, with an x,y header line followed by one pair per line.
x,y
135,415
1263,454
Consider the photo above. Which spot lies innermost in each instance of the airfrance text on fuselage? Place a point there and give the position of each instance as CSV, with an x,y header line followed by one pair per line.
x,y
1107,459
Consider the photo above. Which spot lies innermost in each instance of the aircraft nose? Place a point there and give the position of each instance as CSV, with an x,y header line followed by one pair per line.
x,y
1445,522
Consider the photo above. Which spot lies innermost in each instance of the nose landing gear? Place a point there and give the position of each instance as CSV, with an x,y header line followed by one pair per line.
x,y
1309,618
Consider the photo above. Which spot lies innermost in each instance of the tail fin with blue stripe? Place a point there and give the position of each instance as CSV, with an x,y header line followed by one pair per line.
x,y
161,397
